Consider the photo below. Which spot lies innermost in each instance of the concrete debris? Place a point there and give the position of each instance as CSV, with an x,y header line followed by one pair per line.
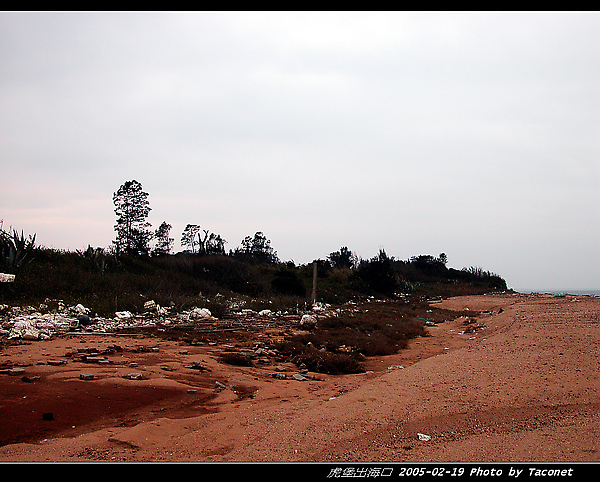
x,y
152,307
321,307
56,363
200,314
30,323
133,376
195,366
264,352
80,309
308,321
40,323
7,278
100,360
27,329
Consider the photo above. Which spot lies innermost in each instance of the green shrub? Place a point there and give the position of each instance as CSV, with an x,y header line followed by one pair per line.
x,y
16,250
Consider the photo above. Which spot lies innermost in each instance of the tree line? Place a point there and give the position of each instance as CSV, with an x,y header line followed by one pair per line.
x,y
134,236
381,274
140,261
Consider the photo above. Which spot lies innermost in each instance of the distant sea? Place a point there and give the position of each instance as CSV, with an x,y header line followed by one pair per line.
x,y
565,292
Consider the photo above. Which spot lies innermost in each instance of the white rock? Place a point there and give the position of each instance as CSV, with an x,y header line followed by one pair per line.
x,y
308,320
24,329
7,278
80,309
199,313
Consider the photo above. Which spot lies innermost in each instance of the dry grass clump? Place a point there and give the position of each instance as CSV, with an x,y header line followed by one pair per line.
x,y
320,361
339,344
237,359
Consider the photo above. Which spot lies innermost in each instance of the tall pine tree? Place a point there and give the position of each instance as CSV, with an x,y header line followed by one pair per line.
x,y
132,208
163,243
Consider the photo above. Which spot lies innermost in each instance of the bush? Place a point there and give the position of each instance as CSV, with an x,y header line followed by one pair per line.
x,y
287,282
223,272
377,275
15,249
339,344
370,333
320,361
237,359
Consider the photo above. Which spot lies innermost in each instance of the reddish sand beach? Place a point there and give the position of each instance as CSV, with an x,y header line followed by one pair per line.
x,y
521,387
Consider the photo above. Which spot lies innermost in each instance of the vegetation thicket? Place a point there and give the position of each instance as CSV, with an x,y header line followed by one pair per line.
x,y
139,266
131,271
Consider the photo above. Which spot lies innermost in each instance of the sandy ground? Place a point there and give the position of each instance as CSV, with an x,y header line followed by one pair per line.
x,y
522,387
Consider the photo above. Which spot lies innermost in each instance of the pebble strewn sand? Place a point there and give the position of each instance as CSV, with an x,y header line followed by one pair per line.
x,y
522,387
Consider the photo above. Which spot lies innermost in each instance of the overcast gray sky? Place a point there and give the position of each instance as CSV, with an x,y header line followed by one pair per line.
x,y
476,134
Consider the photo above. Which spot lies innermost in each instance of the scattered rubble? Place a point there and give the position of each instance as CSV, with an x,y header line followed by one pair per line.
x,y
30,329
42,323
30,323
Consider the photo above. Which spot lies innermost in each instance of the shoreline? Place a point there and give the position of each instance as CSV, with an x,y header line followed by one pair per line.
x,y
592,293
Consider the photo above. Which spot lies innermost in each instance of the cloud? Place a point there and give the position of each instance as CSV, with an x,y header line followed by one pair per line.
x,y
471,133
